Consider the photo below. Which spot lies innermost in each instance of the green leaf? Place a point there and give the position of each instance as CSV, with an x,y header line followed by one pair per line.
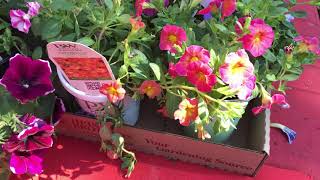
x,y
37,53
69,37
124,18
271,77
299,14
203,110
86,41
36,26
270,56
221,28
109,4
62,5
172,103
156,70
51,29
290,77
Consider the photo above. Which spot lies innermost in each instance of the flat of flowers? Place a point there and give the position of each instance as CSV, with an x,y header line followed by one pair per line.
x,y
244,153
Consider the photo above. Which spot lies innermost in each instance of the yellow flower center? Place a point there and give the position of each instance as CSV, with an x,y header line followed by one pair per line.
x,y
194,58
258,37
237,67
172,38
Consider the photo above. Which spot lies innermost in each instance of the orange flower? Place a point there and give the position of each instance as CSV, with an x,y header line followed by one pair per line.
x,y
113,90
136,23
187,112
150,88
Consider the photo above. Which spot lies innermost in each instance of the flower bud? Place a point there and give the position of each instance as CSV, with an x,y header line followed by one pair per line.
x,y
112,155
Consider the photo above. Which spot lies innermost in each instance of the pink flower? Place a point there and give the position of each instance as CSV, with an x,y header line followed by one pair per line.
x,y
20,20
242,21
139,7
308,44
259,39
246,88
172,35
236,68
268,101
150,88
227,8
201,76
33,8
113,90
187,112
172,70
192,54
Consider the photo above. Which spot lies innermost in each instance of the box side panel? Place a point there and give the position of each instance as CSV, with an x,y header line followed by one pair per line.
x,y
171,146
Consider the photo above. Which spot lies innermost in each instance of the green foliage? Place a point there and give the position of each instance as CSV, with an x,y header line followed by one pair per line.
x,y
9,123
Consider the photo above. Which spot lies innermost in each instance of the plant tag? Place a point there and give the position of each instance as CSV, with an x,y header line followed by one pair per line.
x,y
84,68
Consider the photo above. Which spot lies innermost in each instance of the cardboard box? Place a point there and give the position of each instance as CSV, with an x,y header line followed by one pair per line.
x,y
244,153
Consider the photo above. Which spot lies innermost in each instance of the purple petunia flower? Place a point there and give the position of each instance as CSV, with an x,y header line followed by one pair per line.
x,y
151,11
36,136
26,162
59,109
27,79
33,8
20,20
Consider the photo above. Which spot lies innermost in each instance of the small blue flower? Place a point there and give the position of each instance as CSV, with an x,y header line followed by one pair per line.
x,y
291,134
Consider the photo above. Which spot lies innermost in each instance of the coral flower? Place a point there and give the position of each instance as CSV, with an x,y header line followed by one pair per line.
x,y
172,35
187,112
113,90
311,44
33,8
268,101
26,162
150,88
236,68
27,79
192,54
136,23
20,20
259,39
227,8
201,76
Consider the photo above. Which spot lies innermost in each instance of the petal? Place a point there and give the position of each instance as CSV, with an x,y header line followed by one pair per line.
x,y
34,164
18,164
257,110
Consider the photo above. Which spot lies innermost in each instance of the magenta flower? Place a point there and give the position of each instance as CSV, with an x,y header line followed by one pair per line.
x,y
172,70
193,53
20,20
33,8
27,79
306,44
227,8
59,110
37,135
26,162
201,76
259,39
172,35
268,101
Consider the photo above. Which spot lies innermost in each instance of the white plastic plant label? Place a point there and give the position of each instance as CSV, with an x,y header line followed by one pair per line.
x,y
84,68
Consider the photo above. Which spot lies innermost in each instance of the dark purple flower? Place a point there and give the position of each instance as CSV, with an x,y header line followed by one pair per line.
x,y
20,20
151,11
27,79
33,8
36,136
59,109
26,162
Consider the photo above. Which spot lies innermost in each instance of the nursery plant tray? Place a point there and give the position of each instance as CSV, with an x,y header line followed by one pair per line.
x,y
244,153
